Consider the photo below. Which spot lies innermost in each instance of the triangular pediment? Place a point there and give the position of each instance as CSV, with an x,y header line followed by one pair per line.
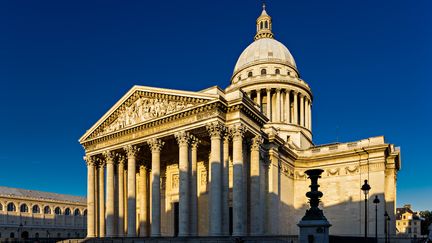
x,y
142,104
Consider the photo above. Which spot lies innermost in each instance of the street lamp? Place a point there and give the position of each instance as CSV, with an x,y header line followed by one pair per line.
x,y
365,188
376,201
386,228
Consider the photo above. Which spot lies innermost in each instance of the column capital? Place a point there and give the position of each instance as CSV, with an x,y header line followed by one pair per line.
x,y
183,138
155,144
256,142
109,157
194,142
101,163
278,89
215,129
121,159
131,150
268,90
237,131
90,160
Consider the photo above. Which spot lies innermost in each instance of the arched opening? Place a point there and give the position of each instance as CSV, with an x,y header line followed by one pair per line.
x,y
12,235
85,212
1,207
25,235
47,210
57,211
37,235
67,211
11,207
277,71
266,24
261,25
249,74
36,209
239,78
77,212
24,208
263,71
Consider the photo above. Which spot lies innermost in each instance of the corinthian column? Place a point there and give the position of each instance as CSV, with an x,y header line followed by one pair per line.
x,y
143,201
91,207
131,152
225,185
215,130
194,188
155,147
258,92
109,158
295,115
287,107
183,139
101,178
302,110
121,197
278,105
256,211
237,132
269,113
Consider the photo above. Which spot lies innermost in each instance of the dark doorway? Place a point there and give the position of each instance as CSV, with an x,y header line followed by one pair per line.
x,y
25,235
176,219
230,220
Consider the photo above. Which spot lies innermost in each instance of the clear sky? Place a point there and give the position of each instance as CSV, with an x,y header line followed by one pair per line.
x,y
63,64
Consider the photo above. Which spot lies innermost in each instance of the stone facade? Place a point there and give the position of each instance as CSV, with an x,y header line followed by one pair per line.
x,y
229,161
408,222
34,214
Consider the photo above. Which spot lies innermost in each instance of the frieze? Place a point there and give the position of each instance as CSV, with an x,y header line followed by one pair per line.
x,y
352,169
332,172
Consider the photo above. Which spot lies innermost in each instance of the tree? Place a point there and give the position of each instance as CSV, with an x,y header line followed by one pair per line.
x,y
427,220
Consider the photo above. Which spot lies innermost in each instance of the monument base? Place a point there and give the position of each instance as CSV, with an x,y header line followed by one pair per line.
x,y
314,231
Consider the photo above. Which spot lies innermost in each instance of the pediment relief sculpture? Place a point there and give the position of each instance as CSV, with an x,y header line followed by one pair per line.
x,y
143,109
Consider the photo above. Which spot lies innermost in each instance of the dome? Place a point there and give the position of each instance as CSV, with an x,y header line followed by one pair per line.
x,y
265,50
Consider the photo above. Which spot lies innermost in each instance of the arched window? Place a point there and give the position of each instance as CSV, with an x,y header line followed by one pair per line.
x,y
249,74
37,235
11,207
1,207
266,24
23,208
57,211
85,212
77,212
36,209
277,71
288,73
239,78
261,25
263,71
67,211
12,235
47,210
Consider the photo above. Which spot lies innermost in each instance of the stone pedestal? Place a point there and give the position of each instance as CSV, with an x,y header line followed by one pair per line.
x,y
316,231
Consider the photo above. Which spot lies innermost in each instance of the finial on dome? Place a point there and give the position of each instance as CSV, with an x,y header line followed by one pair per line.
x,y
264,25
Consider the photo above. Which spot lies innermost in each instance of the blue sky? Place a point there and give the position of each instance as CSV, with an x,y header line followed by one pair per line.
x,y
63,64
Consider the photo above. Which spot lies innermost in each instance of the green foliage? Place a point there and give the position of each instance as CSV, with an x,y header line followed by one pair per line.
x,y
427,216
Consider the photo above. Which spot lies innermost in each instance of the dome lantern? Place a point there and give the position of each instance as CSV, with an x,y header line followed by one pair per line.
x,y
264,25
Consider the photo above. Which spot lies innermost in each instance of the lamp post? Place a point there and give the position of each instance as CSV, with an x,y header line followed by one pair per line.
x,y
376,201
365,188
386,229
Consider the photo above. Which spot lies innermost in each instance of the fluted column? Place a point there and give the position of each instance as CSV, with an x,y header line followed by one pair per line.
x,y
109,158
287,107
131,152
215,130
183,139
143,201
101,201
91,207
269,113
302,110
278,105
310,115
258,92
255,190
295,115
194,188
155,147
237,132
307,113
225,185
121,196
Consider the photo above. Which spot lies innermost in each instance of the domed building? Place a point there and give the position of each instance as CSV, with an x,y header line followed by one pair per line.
x,y
231,161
